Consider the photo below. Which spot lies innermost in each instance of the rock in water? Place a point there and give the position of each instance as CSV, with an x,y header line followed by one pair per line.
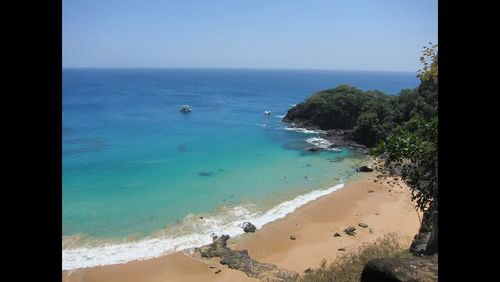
x,y
248,227
314,149
364,225
422,269
350,231
365,169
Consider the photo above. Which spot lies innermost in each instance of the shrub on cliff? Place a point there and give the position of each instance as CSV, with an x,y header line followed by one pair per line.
x,y
349,266
416,150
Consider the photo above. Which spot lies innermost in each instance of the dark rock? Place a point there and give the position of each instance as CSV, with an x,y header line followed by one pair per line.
x,y
292,237
181,147
350,231
205,173
241,260
426,241
421,269
341,249
336,234
308,270
432,244
371,191
314,149
218,271
419,243
365,169
212,267
364,225
248,227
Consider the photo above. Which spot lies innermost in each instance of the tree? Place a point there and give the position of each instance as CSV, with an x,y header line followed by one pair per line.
x,y
416,151
414,146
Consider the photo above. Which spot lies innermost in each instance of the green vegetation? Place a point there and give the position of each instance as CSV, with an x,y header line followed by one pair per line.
x,y
349,266
414,146
416,150
372,115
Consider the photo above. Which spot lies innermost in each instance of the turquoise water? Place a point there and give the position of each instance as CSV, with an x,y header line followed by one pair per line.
x,y
134,167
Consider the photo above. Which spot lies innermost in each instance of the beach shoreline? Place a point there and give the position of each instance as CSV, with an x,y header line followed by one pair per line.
x,y
382,202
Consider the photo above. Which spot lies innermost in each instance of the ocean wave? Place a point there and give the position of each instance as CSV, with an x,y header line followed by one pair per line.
x,y
319,142
82,257
322,143
280,116
303,130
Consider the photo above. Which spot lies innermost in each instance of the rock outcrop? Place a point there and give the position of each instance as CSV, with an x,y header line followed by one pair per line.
x,y
421,269
241,260
426,241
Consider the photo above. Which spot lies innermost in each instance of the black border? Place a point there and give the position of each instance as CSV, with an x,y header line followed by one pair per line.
x,y
36,200
39,201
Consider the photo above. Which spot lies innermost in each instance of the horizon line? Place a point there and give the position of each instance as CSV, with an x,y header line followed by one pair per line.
x,y
236,68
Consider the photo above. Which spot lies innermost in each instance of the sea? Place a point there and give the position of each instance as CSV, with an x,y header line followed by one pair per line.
x,y
142,179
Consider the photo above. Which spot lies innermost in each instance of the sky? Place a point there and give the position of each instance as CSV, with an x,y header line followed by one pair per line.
x,y
386,35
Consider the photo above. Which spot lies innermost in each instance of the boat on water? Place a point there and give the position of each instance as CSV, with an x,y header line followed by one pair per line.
x,y
185,109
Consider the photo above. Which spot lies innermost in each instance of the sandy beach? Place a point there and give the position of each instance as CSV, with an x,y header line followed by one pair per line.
x,y
384,207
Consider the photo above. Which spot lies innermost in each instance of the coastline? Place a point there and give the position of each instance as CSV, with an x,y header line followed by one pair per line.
x,y
386,209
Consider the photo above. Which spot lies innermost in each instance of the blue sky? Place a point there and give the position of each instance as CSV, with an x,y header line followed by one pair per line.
x,y
306,34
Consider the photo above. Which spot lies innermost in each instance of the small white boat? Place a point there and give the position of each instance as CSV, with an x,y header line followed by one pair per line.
x,y
267,113
185,109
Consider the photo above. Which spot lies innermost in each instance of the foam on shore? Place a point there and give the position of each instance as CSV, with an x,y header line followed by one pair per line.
x,y
303,130
82,257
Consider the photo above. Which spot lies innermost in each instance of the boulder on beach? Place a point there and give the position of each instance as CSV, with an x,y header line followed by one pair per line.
x,y
248,227
350,231
364,225
365,169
